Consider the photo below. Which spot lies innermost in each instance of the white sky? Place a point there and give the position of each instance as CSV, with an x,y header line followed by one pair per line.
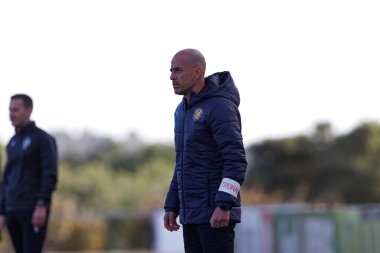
x,y
103,66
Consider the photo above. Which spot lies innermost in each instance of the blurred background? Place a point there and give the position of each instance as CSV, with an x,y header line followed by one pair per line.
x,y
98,72
302,193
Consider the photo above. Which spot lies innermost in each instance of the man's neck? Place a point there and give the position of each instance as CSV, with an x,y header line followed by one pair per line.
x,y
196,90
19,128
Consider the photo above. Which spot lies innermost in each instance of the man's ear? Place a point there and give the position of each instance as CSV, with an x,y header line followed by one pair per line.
x,y
198,73
29,110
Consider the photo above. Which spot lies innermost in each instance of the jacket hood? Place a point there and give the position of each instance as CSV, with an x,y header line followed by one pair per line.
x,y
219,84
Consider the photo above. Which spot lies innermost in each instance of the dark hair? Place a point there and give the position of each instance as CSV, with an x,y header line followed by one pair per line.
x,y
28,102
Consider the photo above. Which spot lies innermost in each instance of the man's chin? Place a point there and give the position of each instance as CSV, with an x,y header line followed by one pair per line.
x,y
178,92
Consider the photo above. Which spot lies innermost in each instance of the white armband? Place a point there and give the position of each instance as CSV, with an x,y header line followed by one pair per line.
x,y
229,186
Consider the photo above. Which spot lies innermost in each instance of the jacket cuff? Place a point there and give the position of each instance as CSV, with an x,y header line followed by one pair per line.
x,y
167,209
41,202
224,206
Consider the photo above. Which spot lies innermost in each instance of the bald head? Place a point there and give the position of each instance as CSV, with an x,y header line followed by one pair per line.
x,y
193,57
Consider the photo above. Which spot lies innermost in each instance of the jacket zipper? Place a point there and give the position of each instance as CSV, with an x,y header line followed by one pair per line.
x,y
182,171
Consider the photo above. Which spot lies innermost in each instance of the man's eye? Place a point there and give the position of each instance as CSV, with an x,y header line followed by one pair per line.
x,y
176,70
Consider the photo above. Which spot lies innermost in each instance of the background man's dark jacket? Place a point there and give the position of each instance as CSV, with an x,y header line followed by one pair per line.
x,y
30,174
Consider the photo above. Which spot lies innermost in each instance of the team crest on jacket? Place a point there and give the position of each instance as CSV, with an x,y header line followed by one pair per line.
x,y
26,143
198,112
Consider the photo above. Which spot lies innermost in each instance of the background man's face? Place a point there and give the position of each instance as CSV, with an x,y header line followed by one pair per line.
x,y
18,114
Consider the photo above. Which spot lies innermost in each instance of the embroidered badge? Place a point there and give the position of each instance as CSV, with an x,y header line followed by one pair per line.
x,y
198,112
13,143
26,143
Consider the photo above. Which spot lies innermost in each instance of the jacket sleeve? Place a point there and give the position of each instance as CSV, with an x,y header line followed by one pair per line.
x,y
225,125
49,164
172,198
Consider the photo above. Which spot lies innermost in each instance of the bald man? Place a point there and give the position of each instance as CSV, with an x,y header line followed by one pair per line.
x,y
210,157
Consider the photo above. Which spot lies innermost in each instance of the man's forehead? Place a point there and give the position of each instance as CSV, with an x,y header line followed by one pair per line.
x,y
17,101
178,63
181,57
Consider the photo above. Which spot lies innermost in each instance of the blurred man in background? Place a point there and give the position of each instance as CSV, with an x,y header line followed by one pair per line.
x,y
30,177
210,157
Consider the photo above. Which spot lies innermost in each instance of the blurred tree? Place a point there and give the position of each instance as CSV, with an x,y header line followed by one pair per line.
x,y
99,175
128,155
319,167
359,152
280,165
115,179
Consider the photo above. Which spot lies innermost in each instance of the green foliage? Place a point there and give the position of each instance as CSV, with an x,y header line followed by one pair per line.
x,y
96,232
99,176
76,234
2,158
279,165
320,167
108,195
96,184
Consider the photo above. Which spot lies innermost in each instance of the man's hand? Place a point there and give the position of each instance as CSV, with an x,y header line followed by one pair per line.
x,y
3,222
39,216
220,218
170,221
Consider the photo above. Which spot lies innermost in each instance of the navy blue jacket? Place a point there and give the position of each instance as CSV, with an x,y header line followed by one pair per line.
x,y
209,147
30,174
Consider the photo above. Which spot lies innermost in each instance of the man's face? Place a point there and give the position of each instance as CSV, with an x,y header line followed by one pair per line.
x,y
182,75
18,114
